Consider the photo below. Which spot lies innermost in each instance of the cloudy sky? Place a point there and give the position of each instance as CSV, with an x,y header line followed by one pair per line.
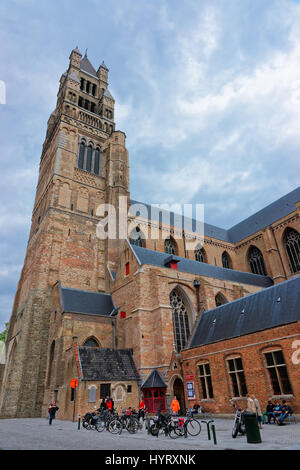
x,y
207,91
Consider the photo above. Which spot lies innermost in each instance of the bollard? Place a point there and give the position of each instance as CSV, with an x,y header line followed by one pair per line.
x,y
214,433
78,421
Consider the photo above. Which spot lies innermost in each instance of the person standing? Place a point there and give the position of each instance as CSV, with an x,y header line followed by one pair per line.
x,y
103,405
254,407
175,407
110,404
52,409
142,408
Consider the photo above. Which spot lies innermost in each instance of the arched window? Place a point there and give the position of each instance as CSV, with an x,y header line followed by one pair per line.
x,y
89,158
226,261
220,299
256,261
92,394
292,246
170,246
97,162
200,255
51,359
81,155
181,322
135,237
91,343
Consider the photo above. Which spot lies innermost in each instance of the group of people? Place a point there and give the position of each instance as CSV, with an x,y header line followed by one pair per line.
x,y
275,410
278,412
107,404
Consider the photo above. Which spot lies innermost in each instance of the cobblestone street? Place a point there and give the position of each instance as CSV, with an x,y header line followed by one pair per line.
x,y
36,434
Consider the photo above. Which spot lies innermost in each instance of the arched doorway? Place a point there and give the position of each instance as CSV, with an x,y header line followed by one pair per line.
x,y
178,391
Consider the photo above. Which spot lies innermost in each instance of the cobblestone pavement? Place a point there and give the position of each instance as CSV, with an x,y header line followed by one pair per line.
x,y
36,434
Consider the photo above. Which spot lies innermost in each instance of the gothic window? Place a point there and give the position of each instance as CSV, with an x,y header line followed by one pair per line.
x,y
97,162
93,107
80,102
200,255
292,246
256,261
170,246
82,83
181,323
91,343
135,237
88,84
220,299
94,90
89,159
226,261
81,155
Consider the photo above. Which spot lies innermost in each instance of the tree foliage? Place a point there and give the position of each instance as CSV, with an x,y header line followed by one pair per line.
x,y
3,333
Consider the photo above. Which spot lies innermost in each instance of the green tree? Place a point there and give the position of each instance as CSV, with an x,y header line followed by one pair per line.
x,y
3,334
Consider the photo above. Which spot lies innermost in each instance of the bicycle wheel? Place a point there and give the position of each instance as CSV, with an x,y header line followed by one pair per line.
x,y
86,425
193,427
154,429
235,430
100,425
115,426
173,431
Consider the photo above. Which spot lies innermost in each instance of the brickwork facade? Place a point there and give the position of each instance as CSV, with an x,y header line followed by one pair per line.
x,y
84,164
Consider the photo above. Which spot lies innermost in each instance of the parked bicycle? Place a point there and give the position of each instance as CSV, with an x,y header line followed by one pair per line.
x,y
91,421
189,425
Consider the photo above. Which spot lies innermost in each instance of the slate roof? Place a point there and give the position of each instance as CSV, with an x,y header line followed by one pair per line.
x,y
153,380
86,66
269,214
107,364
269,308
261,219
157,258
86,302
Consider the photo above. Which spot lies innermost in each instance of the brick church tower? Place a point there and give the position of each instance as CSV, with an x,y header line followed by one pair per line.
x,y
84,163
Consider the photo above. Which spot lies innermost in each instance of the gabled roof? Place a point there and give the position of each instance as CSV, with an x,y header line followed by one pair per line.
x,y
157,258
86,66
261,219
107,364
86,302
269,308
154,380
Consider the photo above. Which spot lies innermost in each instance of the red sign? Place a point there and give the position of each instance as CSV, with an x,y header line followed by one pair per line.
x,y
123,314
189,377
74,383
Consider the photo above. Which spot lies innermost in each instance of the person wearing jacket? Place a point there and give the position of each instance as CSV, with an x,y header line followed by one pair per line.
x,y
52,409
175,407
254,407
142,408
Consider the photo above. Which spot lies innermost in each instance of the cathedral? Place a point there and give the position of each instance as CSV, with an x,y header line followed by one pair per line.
x,y
153,309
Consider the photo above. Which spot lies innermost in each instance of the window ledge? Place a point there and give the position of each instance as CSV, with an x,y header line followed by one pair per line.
x,y
238,399
282,397
207,400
